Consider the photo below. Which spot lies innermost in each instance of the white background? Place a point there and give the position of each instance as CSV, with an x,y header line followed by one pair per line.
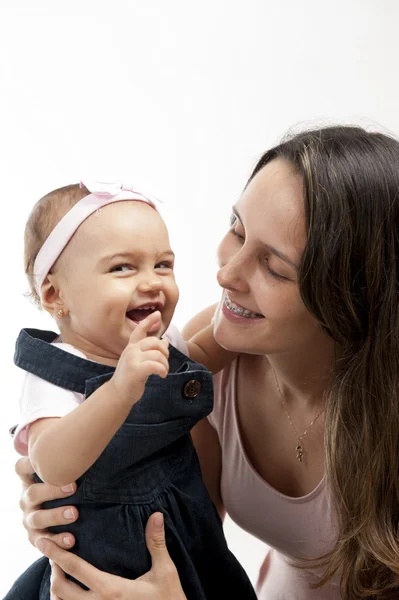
x,y
179,97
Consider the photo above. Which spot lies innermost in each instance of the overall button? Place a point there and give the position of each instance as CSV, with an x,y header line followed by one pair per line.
x,y
192,388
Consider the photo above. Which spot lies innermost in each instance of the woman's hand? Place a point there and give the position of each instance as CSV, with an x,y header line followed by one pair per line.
x,y
160,583
36,520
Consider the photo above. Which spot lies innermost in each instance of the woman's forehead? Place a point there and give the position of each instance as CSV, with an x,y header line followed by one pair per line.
x,y
272,205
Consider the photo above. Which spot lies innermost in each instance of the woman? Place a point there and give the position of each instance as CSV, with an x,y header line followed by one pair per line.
x,y
302,448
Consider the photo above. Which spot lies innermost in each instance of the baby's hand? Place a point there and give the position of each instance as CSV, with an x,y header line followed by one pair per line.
x,y
142,357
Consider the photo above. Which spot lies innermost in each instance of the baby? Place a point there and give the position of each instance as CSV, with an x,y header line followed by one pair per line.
x,y
109,402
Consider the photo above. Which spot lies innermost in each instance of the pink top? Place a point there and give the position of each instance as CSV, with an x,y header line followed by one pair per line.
x,y
290,526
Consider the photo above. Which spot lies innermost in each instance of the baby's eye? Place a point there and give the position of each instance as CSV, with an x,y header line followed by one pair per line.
x,y
165,264
121,268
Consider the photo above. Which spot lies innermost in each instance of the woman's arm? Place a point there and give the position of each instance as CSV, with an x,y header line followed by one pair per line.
x,y
204,436
160,583
209,452
202,345
199,322
203,348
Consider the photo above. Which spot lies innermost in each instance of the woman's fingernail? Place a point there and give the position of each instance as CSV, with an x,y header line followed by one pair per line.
x,y
158,521
40,544
67,488
69,513
67,541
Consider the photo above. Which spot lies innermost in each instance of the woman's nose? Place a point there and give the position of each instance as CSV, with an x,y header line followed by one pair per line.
x,y
231,275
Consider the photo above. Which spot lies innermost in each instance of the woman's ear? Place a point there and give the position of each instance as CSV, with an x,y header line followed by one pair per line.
x,y
51,296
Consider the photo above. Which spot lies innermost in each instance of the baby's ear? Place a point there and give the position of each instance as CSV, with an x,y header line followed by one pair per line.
x,y
51,297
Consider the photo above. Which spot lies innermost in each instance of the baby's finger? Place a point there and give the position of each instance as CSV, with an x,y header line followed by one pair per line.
x,y
155,356
153,343
156,368
149,325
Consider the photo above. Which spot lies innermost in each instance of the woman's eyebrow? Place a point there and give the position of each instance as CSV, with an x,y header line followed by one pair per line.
x,y
274,251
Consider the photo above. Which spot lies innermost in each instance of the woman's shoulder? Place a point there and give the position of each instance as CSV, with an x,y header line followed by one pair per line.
x,y
227,382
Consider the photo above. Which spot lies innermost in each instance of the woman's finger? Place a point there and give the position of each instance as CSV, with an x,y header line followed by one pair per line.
x,y
24,470
71,564
163,575
61,587
37,493
42,519
156,544
63,540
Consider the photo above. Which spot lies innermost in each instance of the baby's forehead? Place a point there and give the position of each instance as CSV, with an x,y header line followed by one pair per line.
x,y
129,223
131,213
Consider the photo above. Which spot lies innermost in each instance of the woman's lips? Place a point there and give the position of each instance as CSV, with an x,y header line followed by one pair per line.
x,y
237,312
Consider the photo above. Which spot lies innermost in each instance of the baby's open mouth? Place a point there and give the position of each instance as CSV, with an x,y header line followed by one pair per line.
x,y
140,313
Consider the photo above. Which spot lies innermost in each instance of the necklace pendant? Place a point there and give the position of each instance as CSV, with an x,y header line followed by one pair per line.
x,y
299,451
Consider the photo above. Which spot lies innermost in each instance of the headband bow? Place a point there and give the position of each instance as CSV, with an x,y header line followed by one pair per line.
x,y
100,188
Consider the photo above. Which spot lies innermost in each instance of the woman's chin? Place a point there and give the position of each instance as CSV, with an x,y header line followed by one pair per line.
x,y
237,341
228,339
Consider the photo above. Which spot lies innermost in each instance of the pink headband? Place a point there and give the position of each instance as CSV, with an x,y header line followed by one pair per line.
x,y
100,195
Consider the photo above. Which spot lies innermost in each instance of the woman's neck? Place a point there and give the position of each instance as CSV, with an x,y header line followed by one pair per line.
x,y
304,376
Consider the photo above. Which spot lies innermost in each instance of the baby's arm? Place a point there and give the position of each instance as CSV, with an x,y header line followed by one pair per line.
x,y
203,348
62,449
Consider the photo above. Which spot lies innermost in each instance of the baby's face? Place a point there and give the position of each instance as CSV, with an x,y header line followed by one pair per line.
x,y
117,269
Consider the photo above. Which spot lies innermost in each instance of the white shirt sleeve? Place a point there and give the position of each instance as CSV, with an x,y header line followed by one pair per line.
x,y
42,400
173,335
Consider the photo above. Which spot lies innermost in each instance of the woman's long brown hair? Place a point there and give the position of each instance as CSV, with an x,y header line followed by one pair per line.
x,y
349,280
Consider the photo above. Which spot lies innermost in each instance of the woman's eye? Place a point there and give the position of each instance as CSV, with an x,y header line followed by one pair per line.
x,y
237,235
236,227
235,231
121,268
273,273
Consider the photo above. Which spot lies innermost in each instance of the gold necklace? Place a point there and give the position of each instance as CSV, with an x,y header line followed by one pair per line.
x,y
299,446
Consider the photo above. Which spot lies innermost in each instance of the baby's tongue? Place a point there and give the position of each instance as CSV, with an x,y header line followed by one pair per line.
x,y
139,315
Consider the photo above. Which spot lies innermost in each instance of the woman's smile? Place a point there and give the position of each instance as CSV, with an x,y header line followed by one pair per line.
x,y
235,311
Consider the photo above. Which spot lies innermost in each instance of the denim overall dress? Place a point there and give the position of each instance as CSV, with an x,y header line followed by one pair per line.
x,y
150,465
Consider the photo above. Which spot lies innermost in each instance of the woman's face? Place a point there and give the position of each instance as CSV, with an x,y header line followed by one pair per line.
x,y
261,311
